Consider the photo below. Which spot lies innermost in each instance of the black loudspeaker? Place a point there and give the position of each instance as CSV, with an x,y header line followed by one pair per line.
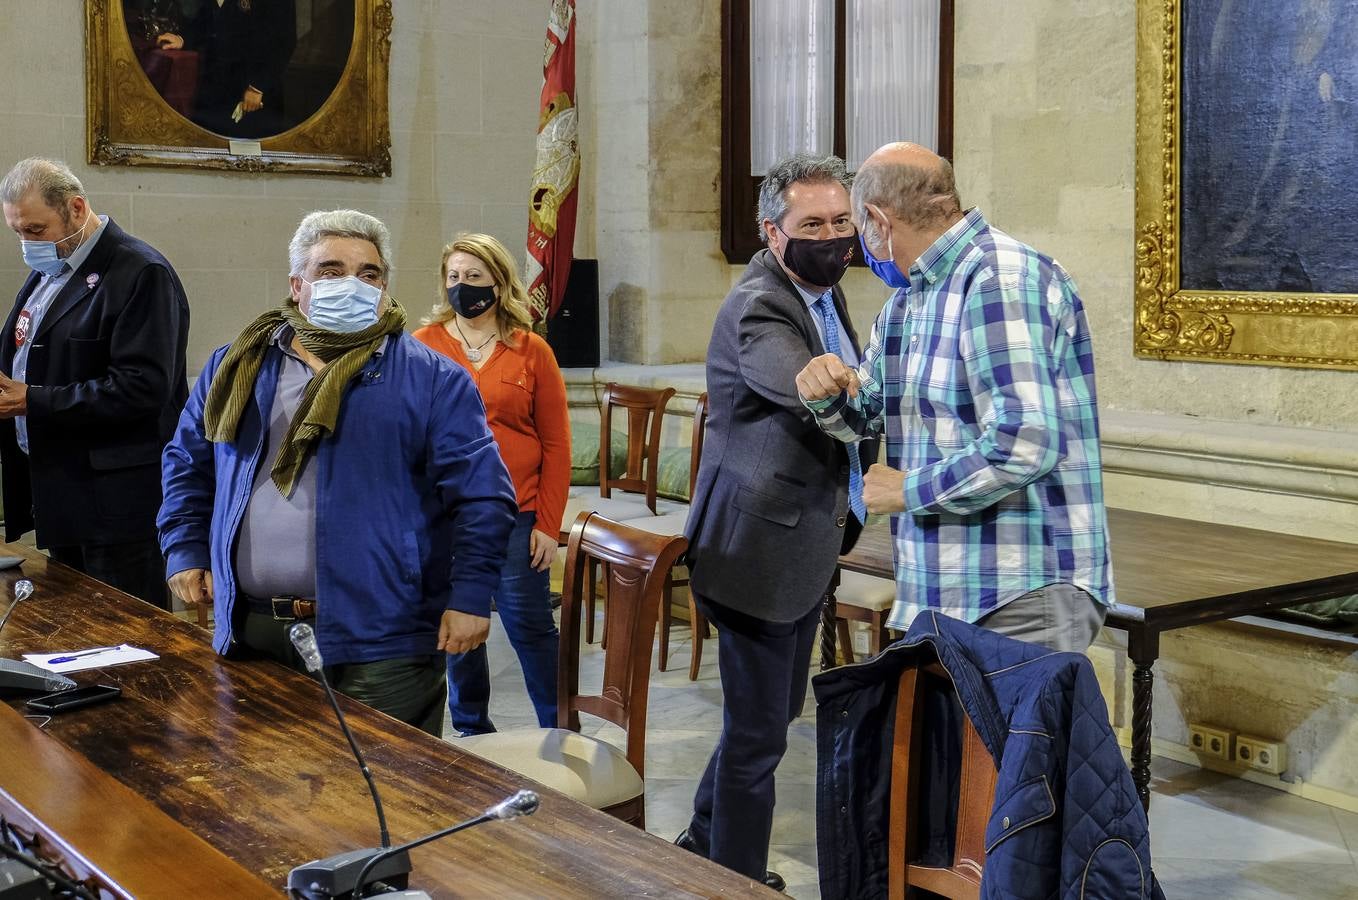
x,y
573,332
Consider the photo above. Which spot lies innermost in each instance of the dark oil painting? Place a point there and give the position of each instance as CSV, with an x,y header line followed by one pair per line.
x,y
1269,147
242,68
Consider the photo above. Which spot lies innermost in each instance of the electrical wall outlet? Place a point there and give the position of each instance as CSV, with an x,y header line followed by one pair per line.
x,y
1210,740
1261,753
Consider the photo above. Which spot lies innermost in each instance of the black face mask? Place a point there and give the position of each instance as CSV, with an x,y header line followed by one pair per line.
x,y
822,263
470,300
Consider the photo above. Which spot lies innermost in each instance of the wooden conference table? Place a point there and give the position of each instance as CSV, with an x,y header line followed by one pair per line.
x,y
1172,573
247,757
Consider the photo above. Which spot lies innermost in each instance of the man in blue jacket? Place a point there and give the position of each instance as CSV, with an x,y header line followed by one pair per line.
x,y
329,468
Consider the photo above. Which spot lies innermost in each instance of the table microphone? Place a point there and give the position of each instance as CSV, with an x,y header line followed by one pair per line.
x,y
22,675
23,589
337,876
522,803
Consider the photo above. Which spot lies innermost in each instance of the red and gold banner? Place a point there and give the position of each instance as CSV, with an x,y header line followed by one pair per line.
x,y
552,199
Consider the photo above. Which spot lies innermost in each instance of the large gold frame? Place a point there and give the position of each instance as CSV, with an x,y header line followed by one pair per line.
x,y
1311,330
129,123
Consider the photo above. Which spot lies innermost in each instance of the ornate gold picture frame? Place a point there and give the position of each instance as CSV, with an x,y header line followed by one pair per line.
x,y
343,130
1288,327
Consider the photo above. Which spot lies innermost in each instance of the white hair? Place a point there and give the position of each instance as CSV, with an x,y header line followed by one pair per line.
x,y
350,223
51,178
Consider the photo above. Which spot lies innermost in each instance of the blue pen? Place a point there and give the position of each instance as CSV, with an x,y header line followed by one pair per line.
x,y
74,656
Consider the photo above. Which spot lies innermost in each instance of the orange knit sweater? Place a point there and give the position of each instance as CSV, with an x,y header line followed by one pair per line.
x,y
525,400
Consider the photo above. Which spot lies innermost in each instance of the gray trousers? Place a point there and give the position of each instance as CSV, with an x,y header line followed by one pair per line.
x,y
1059,616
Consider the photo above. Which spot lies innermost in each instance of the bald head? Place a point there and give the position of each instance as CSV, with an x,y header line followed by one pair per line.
x,y
910,182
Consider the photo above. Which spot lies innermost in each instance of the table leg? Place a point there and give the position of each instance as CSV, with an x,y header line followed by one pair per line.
x,y
828,658
1143,650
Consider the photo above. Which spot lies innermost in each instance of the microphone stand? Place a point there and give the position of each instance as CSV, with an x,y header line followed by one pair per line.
x,y
20,675
335,876
524,803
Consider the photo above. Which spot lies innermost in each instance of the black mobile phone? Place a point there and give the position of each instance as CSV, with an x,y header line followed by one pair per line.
x,y
75,698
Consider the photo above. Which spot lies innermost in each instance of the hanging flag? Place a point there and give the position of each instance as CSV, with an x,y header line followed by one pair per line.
x,y
552,199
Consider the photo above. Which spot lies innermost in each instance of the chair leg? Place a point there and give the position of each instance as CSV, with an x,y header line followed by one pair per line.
x,y
878,637
666,617
845,639
697,623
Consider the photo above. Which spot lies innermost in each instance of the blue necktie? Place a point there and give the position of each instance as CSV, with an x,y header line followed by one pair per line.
x,y
826,307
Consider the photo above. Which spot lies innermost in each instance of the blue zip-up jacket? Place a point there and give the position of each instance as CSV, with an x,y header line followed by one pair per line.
x,y
1066,822
409,481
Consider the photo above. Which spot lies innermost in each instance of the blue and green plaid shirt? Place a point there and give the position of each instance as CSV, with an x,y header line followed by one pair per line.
x,y
981,373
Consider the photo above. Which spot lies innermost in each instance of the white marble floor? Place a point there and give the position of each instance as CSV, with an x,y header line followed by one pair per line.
x,y
1212,836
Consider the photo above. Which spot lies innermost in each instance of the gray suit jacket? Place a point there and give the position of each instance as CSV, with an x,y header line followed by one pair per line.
x,y
770,507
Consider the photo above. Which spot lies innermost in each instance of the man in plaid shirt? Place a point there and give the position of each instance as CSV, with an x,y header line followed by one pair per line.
x,y
981,373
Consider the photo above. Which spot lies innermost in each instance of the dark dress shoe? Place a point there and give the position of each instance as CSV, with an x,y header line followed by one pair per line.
x,y
685,841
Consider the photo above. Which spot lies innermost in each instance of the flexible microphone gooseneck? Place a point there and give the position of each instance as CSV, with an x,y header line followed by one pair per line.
x,y
523,803
304,639
23,589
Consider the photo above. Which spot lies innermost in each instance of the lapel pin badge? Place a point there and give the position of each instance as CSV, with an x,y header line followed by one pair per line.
x,y
91,280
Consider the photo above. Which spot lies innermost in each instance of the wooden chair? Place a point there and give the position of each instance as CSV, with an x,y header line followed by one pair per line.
x,y
586,768
644,411
863,598
645,414
674,523
976,797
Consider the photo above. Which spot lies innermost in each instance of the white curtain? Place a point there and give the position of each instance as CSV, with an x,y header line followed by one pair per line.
x,y
792,79
891,75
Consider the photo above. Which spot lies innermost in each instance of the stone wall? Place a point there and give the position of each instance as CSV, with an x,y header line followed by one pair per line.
x,y
465,76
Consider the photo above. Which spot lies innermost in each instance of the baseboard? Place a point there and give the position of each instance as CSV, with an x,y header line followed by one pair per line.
x,y
1183,754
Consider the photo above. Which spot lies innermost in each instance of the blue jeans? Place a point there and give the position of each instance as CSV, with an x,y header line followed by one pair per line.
x,y
525,607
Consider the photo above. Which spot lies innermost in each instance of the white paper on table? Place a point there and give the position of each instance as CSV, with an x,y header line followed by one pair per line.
x,y
123,653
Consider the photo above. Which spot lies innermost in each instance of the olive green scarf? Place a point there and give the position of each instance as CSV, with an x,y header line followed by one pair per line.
x,y
343,354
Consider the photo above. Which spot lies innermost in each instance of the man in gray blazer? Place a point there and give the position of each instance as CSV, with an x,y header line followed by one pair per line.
x,y
772,508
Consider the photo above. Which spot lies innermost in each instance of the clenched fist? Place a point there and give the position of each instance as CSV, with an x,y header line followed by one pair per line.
x,y
825,377
884,489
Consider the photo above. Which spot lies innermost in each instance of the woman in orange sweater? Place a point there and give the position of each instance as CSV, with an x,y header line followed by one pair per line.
x,y
484,326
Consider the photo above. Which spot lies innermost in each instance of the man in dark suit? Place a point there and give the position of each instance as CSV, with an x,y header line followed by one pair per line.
x,y
246,46
91,383
772,506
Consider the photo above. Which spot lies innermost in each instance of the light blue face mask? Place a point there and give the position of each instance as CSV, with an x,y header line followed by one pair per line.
x,y
41,256
885,269
343,305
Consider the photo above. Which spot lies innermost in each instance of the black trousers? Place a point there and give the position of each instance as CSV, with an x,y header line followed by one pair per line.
x,y
135,567
764,669
413,689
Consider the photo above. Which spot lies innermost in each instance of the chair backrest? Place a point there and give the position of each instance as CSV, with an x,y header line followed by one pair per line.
x,y
975,799
635,564
645,409
699,433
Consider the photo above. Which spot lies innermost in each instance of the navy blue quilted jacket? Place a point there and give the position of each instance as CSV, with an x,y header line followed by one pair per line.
x,y
1066,822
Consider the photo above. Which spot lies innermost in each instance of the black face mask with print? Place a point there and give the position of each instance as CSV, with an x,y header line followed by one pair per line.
x,y
470,300
822,263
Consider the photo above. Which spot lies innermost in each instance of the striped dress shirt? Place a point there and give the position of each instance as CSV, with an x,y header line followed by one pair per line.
x,y
981,375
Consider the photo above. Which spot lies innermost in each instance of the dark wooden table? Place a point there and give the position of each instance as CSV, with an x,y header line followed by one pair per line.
x,y
247,756
1172,573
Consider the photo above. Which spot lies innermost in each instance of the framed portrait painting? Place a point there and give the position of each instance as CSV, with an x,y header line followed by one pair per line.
x,y
1246,182
250,85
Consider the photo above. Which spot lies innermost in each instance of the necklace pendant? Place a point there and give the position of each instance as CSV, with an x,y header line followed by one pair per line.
x,y
473,355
